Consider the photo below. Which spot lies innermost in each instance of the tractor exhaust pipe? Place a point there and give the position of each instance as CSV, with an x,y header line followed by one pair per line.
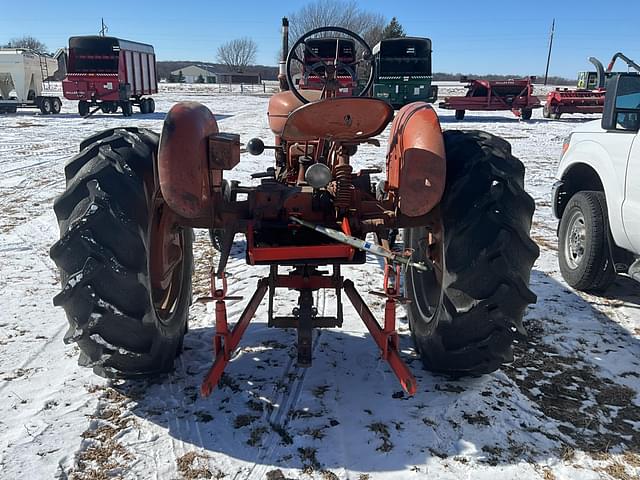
x,y
282,74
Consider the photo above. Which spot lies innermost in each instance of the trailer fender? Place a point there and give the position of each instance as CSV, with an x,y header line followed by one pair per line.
x,y
183,154
416,160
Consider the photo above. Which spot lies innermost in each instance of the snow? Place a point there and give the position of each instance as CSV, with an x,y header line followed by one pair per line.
x,y
567,408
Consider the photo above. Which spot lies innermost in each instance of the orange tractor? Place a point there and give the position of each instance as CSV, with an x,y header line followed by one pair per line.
x,y
133,198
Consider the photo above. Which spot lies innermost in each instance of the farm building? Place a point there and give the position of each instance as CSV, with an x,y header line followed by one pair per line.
x,y
206,74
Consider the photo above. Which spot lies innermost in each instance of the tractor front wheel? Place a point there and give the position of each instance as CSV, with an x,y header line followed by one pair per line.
x,y
124,261
466,312
459,114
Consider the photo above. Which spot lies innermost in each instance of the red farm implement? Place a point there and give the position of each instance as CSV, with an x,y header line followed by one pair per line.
x,y
494,95
589,95
133,199
107,73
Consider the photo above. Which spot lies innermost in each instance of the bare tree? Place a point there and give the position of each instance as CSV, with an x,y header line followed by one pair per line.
x,y
237,54
340,13
27,41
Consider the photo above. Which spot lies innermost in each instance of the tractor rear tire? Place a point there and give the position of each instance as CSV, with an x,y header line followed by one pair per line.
x,y
459,114
112,225
465,314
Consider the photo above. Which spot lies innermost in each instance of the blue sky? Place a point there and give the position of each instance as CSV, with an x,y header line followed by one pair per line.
x,y
487,36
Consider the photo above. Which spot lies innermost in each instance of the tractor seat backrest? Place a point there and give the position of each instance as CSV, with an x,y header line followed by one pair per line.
x,y
283,103
341,118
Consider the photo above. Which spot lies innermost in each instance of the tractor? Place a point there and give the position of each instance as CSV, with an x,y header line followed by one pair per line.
x,y
461,266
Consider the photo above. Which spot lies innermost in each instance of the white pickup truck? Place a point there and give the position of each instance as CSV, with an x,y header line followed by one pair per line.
x,y
597,195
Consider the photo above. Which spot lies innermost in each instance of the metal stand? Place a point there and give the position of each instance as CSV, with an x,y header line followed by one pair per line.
x,y
307,279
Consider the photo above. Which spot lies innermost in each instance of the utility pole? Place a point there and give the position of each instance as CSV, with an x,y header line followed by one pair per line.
x,y
546,72
104,28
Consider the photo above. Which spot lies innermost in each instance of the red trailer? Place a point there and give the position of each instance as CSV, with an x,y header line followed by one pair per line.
x,y
491,95
108,72
589,95
568,100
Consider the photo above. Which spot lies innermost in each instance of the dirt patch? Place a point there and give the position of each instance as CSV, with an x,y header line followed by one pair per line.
x,y
193,465
382,431
596,414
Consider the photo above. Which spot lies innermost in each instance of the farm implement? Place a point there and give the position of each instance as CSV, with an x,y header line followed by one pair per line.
x,y
589,95
107,73
494,95
133,199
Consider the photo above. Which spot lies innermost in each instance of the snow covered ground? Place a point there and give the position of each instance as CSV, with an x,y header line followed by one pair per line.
x,y
567,408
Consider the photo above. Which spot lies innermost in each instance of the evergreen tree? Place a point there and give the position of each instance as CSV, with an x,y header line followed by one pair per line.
x,y
200,79
393,30
180,77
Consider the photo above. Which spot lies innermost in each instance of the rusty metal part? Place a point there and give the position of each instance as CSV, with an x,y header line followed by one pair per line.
x,y
166,250
183,164
343,119
305,280
416,160
344,185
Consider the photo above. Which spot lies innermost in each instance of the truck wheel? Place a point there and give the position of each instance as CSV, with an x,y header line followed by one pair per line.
x,y
459,114
125,264
526,113
465,313
545,112
56,105
45,105
584,250
83,108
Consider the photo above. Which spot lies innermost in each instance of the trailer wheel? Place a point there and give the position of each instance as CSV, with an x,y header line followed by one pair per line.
x,y
45,105
144,106
466,313
526,113
56,105
83,108
459,114
127,109
125,264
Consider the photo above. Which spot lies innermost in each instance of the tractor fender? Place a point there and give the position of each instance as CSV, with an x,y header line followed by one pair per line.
x,y
416,160
183,165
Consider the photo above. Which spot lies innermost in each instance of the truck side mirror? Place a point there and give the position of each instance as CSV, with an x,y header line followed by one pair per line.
x,y
622,103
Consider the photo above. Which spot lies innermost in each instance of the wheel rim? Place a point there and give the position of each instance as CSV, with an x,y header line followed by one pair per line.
x,y
427,286
166,259
575,240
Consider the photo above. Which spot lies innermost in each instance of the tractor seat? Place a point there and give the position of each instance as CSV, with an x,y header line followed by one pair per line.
x,y
341,119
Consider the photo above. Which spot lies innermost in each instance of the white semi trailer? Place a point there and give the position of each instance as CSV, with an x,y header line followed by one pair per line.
x,y
22,74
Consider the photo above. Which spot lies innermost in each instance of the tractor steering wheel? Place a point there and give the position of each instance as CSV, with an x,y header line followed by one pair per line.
x,y
322,68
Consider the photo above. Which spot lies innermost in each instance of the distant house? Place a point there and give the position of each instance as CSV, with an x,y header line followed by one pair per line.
x,y
192,73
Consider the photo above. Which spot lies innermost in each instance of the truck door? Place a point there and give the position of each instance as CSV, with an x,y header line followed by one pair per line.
x,y
631,205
